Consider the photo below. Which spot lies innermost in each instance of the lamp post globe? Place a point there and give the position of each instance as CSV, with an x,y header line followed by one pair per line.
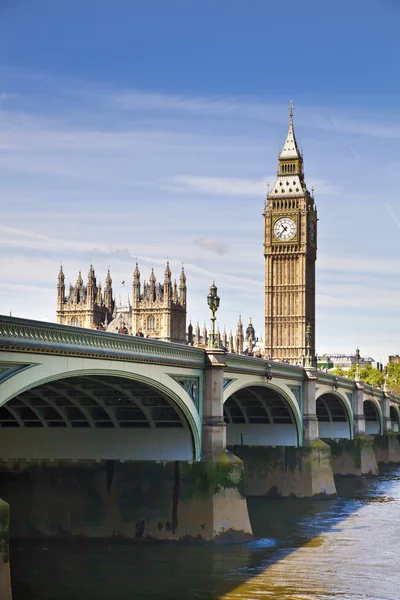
x,y
213,304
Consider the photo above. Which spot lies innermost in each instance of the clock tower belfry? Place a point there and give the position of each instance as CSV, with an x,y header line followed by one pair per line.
x,y
290,250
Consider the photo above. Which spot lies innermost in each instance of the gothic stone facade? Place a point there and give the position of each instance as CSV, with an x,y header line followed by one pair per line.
x,y
84,305
290,250
157,310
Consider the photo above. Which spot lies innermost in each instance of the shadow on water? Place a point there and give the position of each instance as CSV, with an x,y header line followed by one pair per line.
x,y
99,571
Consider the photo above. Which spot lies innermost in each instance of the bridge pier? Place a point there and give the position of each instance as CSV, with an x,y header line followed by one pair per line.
x,y
353,457
225,503
5,577
387,448
286,471
358,410
387,445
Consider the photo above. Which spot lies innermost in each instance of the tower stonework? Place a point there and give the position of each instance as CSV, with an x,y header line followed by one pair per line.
x,y
84,306
290,250
157,311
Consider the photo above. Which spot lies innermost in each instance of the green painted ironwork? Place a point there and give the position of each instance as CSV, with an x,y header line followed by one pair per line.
x,y
227,382
191,385
23,335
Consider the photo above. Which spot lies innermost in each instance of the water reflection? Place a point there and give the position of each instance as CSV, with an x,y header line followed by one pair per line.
x,y
323,549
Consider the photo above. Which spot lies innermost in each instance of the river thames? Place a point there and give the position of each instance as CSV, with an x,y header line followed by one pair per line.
x,y
346,548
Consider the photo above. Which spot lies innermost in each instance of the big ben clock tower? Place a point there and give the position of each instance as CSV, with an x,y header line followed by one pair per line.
x,y
290,250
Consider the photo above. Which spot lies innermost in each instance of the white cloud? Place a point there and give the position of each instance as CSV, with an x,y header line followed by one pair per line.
x,y
212,245
230,186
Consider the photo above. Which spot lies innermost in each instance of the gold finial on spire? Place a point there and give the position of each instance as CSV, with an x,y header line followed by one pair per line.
x,y
291,109
267,187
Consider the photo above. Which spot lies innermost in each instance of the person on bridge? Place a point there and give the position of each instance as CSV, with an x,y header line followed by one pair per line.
x,y
123,329
140,333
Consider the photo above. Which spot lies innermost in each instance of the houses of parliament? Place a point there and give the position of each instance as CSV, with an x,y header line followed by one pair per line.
x,y
158,310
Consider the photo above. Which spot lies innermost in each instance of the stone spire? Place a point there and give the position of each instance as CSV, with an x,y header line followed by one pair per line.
x,y
60,287
250,332
224,338
218,337
79,281
91,275
290,148
205,336
167,284
136,284
91,285
290,181
99,298
108,292
190,333
182,288
239,336
61,277
167,274
152,284
231,347
197,335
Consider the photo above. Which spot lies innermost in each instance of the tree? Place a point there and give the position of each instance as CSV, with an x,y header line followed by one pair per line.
x,y
339,371
393,377
367,374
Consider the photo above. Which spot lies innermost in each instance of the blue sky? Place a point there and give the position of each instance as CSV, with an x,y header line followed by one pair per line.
x,y
132,129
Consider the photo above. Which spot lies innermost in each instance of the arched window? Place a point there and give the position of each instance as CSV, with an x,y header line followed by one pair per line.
x,y
75,322
151,323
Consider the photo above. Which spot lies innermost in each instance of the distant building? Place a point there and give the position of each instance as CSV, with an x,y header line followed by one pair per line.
x,y
324,362
157,310
345,361
394,359
84,305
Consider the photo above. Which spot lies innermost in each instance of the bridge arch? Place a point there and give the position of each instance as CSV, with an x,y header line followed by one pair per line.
x,y
335,415
395,417
262,414
373,415
60,406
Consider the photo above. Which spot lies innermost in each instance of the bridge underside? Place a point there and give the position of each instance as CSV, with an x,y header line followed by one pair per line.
x,y
96,417
333,421
258,416
372,422
394,418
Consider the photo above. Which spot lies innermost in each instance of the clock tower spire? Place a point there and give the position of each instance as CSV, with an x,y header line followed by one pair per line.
x,y
290,250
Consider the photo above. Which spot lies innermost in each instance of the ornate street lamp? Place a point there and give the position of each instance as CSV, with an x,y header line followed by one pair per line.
x,y
213,304
357,375
309,358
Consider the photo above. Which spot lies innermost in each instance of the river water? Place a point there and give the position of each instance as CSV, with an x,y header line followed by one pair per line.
x,y
347,549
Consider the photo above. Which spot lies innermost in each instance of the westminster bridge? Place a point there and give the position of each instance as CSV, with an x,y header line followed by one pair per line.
x,y
103,434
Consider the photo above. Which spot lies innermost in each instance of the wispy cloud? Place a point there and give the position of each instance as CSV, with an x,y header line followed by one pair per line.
x,y
230,186
212,245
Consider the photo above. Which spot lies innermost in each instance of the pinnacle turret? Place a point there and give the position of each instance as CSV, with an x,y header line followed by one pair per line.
x,y
108,280
136,274
167,274
61,277
79,281
197,335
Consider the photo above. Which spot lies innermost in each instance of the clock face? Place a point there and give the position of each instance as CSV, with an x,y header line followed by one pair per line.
x,y
285,229
312,232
